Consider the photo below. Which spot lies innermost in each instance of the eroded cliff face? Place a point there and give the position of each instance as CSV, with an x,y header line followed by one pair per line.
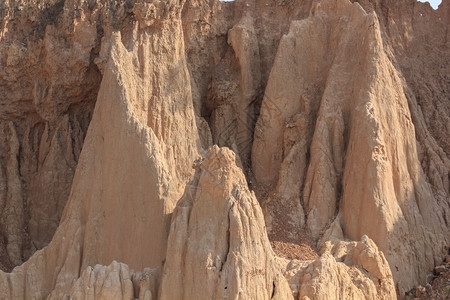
x,y
230,257
335,115
49,84
104,220
335,125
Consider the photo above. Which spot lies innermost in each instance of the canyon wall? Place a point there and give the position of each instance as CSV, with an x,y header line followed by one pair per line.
x,y
146,145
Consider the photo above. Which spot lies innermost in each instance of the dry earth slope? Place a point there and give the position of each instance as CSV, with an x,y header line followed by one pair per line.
x,y
157,149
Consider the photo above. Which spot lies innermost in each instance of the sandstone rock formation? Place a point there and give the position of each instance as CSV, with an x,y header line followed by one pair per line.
x,y
100,282
336,118
345,270
335,137
104,220
218,246
115,281
49,84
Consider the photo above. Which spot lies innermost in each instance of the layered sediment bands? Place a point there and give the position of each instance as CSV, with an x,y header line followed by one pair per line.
x,y
230,257
335,120
132,169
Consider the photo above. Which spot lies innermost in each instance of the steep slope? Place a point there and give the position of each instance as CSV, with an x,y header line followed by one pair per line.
x,y
231,48
230,257
335,137
48,87
417,41
132,169
335,113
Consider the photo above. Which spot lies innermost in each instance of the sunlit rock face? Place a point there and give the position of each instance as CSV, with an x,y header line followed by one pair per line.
x,y
205,149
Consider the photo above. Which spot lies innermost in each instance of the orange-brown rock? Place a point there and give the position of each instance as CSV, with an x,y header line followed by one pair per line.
x,y
344,270
115,281
218,246
49,83
336,118
100,282
335,137
132,168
